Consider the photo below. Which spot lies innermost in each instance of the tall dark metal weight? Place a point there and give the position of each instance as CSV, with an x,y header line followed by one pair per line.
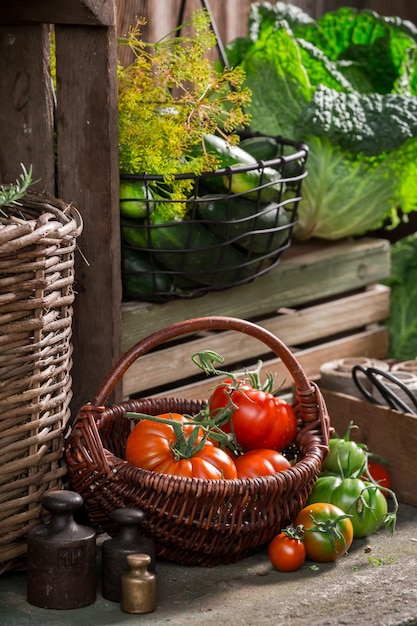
x,y
114,551
61,557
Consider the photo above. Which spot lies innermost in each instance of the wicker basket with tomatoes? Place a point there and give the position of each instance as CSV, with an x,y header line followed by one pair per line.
x,y
217,479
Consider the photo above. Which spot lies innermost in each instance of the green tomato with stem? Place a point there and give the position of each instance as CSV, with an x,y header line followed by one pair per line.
x,y
346,458
364,502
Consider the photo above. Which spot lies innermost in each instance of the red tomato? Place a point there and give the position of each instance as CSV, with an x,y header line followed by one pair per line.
x,y
379,474
155,446
286,553
328,531
260,463
259,420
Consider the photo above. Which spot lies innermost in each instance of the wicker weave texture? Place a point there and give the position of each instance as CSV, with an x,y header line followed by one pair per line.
x,y
37,242
193,521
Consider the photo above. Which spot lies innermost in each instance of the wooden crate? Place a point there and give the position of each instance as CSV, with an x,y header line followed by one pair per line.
x,y
323,301
391,434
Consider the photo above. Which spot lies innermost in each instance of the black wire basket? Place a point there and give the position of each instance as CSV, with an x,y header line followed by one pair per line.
x,y
239,220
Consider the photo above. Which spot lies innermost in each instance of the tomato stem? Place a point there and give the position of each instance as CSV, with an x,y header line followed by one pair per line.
x,y
391,516
329,527
183,448
206,359
203,422
295,533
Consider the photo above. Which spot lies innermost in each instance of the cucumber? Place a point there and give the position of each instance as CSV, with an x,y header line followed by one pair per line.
x,y
257,229
260,148
191,252
245,182
135,233
198,254
142,279
260,185
227,154
135,199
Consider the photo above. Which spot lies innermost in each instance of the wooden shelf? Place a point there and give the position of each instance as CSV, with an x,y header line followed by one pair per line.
x,y
322,300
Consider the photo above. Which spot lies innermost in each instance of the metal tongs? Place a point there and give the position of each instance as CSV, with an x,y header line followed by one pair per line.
x,y
377,379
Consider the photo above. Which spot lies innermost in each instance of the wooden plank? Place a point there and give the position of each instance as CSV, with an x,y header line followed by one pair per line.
x,y
307,272
294,328
391,434
372,342
88,176
26,114
87,12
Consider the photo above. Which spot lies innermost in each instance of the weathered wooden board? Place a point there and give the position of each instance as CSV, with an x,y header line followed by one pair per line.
x,y
307,272
87,12
88,176
391,434
26,111
338,319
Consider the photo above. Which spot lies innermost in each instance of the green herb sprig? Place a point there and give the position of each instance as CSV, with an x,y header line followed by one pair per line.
x,y
169,98
15,191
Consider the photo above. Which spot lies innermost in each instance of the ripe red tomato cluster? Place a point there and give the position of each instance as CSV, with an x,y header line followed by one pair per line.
x,y
262,427
258,429
259,419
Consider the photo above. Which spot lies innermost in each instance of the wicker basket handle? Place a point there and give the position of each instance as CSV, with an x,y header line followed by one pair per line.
x,y
190,326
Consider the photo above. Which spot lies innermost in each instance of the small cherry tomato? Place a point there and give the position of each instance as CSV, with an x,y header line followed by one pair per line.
x,y
286,553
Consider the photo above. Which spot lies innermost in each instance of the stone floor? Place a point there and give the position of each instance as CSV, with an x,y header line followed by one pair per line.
x,y
374,585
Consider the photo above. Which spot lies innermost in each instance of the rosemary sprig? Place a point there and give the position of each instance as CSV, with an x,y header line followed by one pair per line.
x,y
15,191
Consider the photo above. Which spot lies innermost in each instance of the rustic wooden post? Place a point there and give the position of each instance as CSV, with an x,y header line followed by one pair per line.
x,y
84,170
26,116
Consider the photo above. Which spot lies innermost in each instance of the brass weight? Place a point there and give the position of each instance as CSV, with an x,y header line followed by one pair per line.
x,y
138,592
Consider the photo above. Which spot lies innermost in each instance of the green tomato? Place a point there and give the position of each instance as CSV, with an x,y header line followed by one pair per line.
x,y
363,501
323,488
345,457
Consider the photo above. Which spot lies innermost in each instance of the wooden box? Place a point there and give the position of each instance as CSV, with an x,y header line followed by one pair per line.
x,y
323,301
389,433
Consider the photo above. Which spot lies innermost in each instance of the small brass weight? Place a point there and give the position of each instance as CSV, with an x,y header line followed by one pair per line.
x,y
138,585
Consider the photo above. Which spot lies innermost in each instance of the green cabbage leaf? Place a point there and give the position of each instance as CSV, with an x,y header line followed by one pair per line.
x,y
402,322
346,84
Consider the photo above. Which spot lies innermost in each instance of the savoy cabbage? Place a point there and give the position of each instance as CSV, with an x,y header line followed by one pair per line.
x,y
346,84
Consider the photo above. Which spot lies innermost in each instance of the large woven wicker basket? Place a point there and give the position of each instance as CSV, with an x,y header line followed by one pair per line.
x,y
193,521
37,241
